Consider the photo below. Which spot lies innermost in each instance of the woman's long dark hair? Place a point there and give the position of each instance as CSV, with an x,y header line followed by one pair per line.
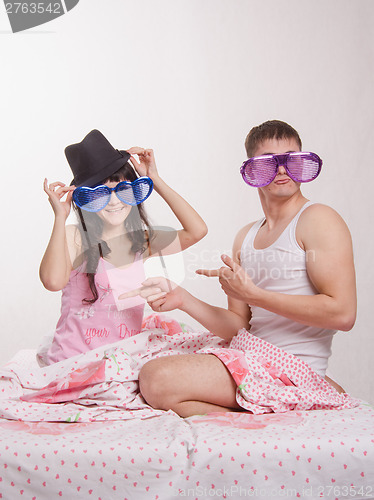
x,y
90,225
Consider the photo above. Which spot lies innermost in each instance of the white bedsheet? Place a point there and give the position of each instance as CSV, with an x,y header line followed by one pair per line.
x,y
311,454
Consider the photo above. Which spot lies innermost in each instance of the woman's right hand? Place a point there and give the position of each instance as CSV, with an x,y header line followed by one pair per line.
x,y
160,293
60,208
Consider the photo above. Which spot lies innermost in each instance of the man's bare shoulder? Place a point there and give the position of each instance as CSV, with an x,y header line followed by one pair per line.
x,y
321,214
320,221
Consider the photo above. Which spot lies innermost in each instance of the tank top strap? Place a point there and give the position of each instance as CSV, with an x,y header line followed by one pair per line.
x,y
251,234
297,216
291,229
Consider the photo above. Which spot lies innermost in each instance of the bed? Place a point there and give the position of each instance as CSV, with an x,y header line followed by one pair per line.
x,y
80,429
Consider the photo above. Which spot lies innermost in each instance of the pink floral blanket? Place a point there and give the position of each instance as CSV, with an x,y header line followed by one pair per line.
x,y
102,384
99,385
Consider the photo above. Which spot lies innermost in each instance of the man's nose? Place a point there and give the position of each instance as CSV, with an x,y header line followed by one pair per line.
x,y
282,169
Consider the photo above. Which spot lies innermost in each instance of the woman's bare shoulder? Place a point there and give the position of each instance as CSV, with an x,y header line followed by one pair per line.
x,y
74,242
73,234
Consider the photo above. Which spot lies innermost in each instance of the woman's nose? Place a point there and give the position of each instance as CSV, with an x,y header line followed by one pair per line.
x,y
113,199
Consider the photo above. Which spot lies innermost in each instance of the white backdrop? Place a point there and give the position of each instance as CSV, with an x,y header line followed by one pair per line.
x,y
188,78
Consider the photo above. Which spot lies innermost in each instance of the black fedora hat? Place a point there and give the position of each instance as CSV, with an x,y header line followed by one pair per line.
x,y
94,159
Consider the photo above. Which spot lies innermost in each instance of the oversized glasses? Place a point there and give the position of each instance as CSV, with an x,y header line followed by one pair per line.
x,y
97,198
261,170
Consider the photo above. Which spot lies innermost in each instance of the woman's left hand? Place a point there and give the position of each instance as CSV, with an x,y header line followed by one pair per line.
x,y
146,166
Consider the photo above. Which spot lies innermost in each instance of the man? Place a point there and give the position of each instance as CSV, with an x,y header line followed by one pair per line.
x,y
292,275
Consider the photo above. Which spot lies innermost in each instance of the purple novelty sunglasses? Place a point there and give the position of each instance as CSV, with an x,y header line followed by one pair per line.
x,y
261,170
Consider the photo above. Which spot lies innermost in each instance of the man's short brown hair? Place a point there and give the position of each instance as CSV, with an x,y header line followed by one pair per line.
x,y
272,129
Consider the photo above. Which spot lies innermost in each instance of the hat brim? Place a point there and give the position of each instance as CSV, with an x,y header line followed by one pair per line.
x,y
105,172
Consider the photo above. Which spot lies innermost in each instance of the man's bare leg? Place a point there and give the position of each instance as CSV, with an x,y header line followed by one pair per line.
x,y
189,384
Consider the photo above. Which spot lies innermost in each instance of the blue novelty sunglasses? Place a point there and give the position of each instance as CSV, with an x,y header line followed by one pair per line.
x,y
96,198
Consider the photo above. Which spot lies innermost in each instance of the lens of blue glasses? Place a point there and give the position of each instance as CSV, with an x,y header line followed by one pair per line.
x,y
92,199
136,192
125,194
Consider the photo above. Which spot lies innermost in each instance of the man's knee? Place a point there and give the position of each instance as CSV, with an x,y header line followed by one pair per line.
x,y
154,383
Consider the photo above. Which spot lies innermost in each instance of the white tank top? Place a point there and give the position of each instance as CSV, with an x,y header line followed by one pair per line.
x,y
281,267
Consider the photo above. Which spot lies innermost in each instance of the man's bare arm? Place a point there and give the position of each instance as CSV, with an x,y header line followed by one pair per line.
x,y
330,267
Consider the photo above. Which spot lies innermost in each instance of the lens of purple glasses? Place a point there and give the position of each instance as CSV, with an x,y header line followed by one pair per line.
x,y
261,170
303,167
